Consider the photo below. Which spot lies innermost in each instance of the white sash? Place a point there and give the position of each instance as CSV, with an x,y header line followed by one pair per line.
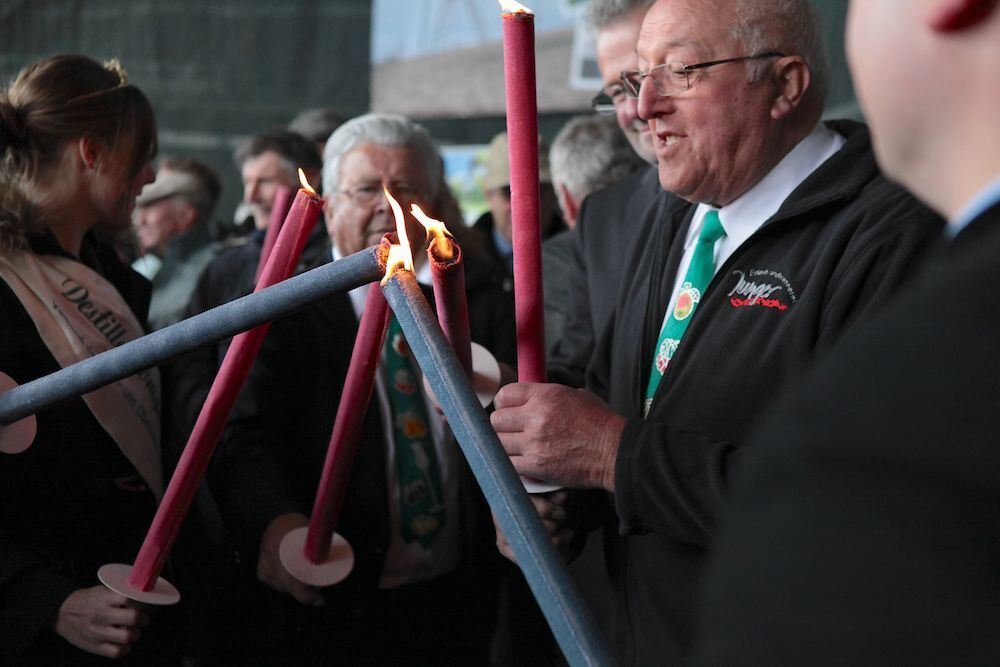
x,y
79,314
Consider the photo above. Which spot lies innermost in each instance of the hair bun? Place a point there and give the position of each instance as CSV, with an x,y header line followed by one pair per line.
x,y
12,130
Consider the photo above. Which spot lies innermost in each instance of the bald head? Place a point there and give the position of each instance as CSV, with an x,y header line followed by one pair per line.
x,y
925,73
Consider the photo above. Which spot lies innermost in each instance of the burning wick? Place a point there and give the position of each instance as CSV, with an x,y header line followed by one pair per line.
x,y
400,256
305,183
514,7
440,245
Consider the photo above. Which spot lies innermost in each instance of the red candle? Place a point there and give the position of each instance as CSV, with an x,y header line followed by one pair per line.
x,y
282,201
448,275
522,133
354,401
299,223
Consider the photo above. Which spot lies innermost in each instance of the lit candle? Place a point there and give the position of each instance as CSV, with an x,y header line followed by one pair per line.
x,y
522,134
301,219
448,275
282,202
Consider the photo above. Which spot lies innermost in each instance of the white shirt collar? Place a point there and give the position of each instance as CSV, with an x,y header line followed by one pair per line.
x,y
360,294
748,212
984,199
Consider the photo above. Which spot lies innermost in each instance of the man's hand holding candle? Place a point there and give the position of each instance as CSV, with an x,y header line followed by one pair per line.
x,y
561,435
272,573
100,621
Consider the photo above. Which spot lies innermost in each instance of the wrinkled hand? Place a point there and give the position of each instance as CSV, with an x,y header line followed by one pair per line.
x,y
272,573
561,435
551,509
100,621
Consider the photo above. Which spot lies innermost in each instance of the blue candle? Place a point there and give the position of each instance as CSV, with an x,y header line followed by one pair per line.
x,y
548,578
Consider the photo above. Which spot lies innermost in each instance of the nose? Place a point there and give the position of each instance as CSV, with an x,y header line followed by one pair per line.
x,y
627,111
148,175
650,103
250,191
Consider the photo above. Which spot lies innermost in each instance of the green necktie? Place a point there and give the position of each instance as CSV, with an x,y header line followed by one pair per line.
x,y
421,499
699,274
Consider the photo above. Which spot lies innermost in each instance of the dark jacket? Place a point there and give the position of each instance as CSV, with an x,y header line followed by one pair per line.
x,y
840,244
272,454
865,531
608,223
229,276
70,503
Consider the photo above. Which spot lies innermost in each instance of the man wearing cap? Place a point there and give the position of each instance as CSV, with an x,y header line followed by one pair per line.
x,y
495,224
172,232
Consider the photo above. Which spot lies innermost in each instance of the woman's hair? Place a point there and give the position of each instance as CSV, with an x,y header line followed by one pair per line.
x,y
60,99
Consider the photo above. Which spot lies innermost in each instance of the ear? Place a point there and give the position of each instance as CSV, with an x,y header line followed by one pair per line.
x,y
954,15
89,150
188,216
568,203
792,79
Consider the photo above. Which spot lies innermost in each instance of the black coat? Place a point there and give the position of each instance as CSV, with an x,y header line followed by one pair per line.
x,y
608,223
71,502
864,530
840,244
269,464
229,276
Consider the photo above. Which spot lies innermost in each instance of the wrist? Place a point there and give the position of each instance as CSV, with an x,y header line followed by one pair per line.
x,y
613,436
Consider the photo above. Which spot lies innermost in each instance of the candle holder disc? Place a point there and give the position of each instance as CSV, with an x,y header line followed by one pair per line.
x,y
16,437
116,575
332,570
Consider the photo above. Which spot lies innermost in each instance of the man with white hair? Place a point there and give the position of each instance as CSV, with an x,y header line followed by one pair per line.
x,y
864,528
422,587
588,154
783,234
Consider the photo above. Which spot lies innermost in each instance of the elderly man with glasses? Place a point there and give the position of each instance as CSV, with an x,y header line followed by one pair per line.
x,y
781,235
423,587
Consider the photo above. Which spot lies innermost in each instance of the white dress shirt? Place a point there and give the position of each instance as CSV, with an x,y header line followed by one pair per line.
x,y
411,562
746,214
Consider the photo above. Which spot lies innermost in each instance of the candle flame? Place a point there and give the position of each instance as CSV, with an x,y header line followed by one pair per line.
x,y
305,184
400,256
438,233
514,7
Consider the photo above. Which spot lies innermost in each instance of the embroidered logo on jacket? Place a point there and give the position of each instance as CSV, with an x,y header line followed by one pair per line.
x,y
757,288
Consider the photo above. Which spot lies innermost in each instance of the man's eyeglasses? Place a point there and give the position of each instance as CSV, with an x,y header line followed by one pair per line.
x,y
605,101
367,195
673,78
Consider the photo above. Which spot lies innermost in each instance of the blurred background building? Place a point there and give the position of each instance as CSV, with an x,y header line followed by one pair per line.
x,y
220,71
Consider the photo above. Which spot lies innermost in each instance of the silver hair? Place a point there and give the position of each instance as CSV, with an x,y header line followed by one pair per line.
x,y
384,130
590,153
765,25
603,13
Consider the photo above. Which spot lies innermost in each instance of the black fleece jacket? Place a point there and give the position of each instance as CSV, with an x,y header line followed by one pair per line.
x,y
836,249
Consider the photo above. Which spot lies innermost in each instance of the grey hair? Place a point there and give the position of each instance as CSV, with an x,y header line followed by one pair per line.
x,y
590,153
766,25
384,130
603,13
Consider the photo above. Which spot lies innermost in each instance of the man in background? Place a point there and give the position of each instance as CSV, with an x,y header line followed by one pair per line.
x,y
171,220
588,154
610,219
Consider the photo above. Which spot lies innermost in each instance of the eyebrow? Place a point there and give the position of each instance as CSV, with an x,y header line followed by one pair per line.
x,y
673,44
